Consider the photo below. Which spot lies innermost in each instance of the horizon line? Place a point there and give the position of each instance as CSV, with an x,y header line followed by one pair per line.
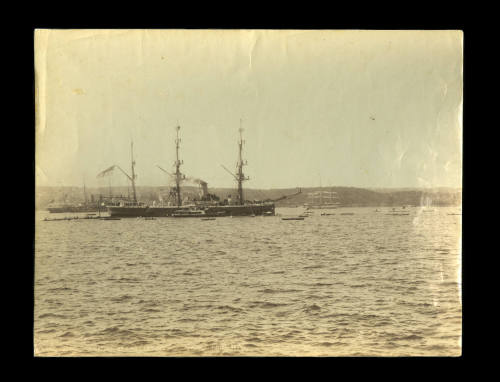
x,y
263,188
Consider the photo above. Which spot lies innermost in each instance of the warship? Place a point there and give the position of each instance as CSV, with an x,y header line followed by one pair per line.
x,y
207,206
73,208
86,206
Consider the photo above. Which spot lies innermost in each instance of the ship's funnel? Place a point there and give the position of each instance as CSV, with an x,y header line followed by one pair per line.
x,y
202,183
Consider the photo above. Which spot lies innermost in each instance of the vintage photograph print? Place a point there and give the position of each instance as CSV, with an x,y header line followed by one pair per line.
x,y
206,193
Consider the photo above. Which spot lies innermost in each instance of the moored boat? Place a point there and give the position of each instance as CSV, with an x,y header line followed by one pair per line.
x,y
322,200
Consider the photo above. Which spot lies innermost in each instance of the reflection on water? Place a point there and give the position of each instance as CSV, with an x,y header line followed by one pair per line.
x,y
369,283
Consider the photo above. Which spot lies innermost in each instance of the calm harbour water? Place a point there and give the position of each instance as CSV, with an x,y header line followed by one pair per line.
x,y
367,284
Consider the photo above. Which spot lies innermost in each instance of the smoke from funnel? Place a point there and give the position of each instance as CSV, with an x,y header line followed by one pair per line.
x,y
195,180
202,183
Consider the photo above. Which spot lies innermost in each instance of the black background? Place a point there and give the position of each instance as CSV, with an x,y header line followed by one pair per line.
x,y
245,15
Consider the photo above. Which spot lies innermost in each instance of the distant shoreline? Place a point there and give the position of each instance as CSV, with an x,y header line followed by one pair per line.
x,y
347,196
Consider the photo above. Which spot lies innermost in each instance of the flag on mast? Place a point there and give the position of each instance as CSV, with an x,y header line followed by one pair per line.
x,y
106,172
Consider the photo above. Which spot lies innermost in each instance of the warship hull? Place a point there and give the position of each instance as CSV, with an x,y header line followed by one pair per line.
x,y
73,209
267,209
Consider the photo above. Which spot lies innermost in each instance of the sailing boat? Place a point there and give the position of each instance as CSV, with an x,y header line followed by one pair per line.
x,y
426,203
86,206
322,200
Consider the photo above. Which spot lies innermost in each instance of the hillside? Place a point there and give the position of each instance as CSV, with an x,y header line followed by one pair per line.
x,y
347,196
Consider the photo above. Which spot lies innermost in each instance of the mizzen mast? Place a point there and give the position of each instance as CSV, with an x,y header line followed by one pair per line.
x,y
134,176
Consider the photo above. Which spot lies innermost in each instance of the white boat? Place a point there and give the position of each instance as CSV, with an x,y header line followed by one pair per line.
x,y
322,200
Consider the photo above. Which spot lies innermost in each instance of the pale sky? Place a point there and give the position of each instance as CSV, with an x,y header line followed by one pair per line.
x,y
330,108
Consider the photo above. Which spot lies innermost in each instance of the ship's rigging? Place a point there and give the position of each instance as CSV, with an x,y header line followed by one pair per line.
x,y
206,199
239,176
180,178
132,177
178,175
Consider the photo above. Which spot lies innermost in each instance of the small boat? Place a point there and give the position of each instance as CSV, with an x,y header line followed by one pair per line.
x,y
188,214
298,218
62,219
207,218
303,216
325,214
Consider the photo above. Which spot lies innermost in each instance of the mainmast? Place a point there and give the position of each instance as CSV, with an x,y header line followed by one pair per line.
x,y
240,177
178,175
133,178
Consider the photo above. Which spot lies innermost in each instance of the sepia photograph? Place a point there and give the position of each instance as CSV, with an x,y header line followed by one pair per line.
x,y
248,193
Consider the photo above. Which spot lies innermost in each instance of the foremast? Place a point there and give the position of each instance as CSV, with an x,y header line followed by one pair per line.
x,y
240,177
